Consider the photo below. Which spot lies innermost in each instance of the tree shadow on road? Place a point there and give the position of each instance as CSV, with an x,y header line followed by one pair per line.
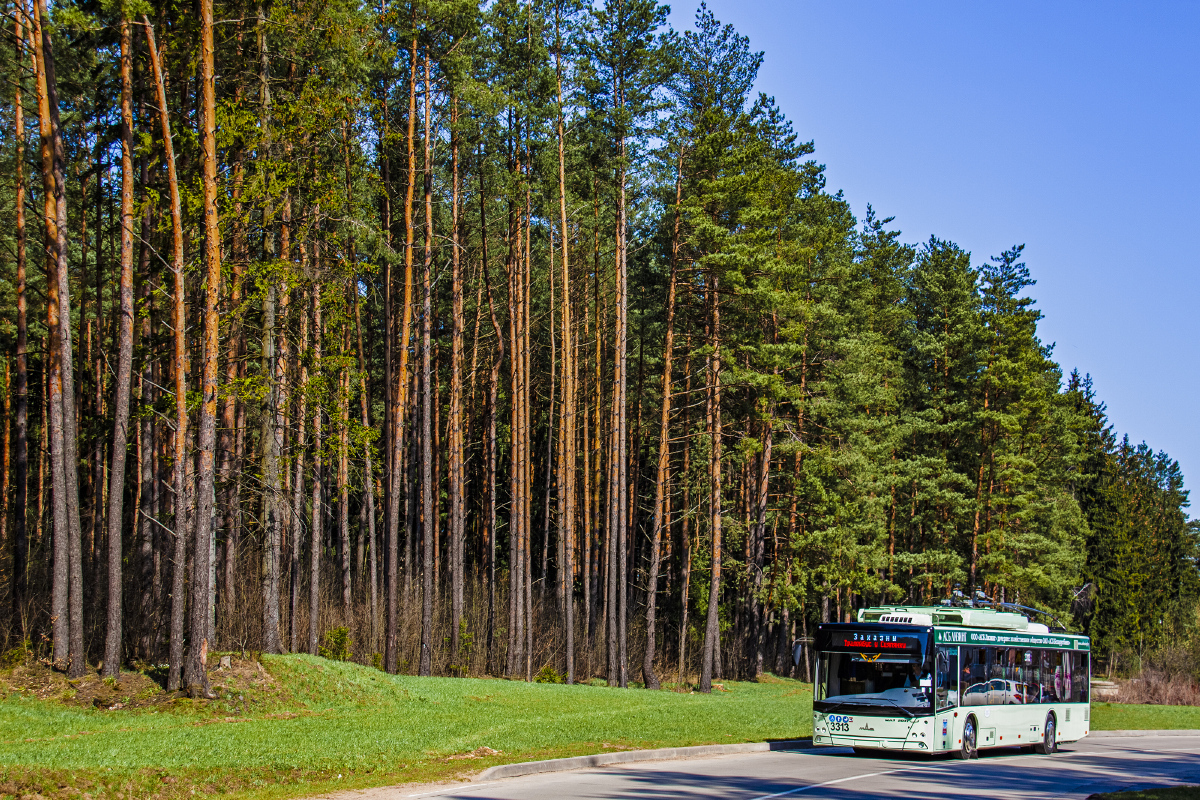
x,y
1004,773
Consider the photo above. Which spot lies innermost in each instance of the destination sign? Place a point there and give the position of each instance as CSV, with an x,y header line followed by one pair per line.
x,y
1010,638
871,640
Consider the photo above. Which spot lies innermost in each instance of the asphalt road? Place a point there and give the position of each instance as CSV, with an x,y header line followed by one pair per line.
x,y
1078,770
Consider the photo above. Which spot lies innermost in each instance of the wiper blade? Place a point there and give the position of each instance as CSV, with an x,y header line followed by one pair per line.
x,y
897,705
871,702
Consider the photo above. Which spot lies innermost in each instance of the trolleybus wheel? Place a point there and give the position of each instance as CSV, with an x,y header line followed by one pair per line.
x,y
1049,737
968,750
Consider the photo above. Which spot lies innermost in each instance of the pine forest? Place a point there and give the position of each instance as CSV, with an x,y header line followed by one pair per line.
x,y
521,338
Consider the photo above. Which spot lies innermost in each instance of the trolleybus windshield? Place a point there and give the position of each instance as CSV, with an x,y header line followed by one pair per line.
x,y
873,671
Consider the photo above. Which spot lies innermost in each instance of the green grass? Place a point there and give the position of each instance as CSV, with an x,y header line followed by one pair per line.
x,y
324,725
1118,717
371,728
1174,793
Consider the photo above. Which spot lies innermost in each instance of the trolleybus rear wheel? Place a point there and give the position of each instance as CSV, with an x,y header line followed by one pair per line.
x,y
968,750
1049,737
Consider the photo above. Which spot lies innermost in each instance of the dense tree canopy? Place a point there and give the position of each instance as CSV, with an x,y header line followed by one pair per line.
x,y
517,338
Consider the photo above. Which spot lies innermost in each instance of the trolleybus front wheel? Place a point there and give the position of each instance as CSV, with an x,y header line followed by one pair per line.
x,y
1049,737
969,749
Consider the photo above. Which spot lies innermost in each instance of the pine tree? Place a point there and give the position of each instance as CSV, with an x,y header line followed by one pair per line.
x,y
653,341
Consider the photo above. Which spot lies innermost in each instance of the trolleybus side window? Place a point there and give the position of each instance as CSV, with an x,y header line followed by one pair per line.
x,y
1080,677
1059,680
974,680
1014,689
1062,676
947,677
1027,669
1018,676
1047,660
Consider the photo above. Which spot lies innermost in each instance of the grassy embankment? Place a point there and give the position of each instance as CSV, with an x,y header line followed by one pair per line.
x,y
307,725
1121,717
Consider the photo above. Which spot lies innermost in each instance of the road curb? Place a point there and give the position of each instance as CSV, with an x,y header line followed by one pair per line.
x,y
668,753
1123,734
631,756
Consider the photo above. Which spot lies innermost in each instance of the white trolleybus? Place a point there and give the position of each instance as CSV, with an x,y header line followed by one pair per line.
x,y
942,679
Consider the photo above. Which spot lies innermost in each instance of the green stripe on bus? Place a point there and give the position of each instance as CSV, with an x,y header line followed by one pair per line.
x,y
1015,639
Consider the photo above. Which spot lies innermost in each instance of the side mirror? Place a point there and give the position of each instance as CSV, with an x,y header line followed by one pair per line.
x,y
797,652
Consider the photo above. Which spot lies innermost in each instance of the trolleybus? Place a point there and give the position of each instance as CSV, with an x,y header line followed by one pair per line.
x,y
942,679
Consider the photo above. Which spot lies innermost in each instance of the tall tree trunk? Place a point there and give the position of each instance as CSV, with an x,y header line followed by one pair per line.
x,y
388,423
566,431
318,511
91,493
401,380
368,476
228,507
618,477
148,483
272,365
526,423
155,544
456,467
635,480
6,449
297,514
116,515
437,474
517,489
344,419
428,538
277,421
549,481
195,674
99,463
757,548
491,442
412,514
664,450
516,584
600,520
344,476
67,605
21,500
611,573
275,356
43,451
272,444
588,573
406,382
712,632
179,369
685,580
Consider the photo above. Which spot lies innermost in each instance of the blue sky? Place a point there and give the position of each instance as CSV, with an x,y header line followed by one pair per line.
x,y
1073,128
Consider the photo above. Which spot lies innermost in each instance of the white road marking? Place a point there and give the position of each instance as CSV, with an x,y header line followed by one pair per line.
x,y
799,789
1025,757
944,768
